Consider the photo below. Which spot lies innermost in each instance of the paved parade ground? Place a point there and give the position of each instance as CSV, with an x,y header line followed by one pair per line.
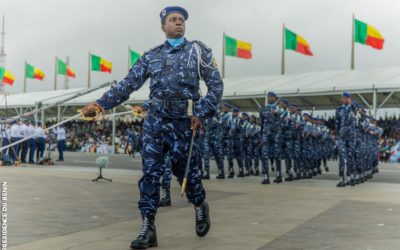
x,y
59,207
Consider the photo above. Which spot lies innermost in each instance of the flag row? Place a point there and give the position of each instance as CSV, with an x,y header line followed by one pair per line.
x,y
97,63
362,33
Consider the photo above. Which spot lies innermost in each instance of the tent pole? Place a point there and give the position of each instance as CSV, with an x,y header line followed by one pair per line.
x,y
352,45
374,102
113,130
283,51
223,55
58,113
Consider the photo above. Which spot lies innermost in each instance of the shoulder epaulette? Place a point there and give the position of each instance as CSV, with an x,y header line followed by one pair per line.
x,y
154,48
202,45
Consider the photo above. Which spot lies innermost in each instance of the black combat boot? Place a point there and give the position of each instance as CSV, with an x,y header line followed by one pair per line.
x,y
290,178
326,169
221,175
165,201
203,222
206,175
341,183
278,180
148,235
240,173
257,172
251,171
350,180
231,175
265,181
357,180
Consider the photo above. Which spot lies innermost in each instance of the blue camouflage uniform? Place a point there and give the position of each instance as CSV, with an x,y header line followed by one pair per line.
x,y
166,173
132,140
358,140
174,74
237,128
345,125
307,147
213,144
296,140
268,116
257,147
251,147
201,148
327,145
284,145
227,147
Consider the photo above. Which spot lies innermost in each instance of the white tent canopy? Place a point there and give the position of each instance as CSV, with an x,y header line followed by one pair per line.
x,y
375,88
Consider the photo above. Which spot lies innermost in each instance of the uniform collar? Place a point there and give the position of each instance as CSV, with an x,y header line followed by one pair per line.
x,y
169,46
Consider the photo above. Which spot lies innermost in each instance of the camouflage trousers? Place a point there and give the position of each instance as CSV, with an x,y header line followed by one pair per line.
x,y
346,156
163,136
252,154
213,147
237,153
166,173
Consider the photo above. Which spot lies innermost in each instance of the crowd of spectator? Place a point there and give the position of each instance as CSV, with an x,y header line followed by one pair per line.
x,y
96,137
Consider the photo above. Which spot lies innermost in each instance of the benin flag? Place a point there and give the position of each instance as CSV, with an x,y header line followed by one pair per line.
x,y
237,48
64,69
33,72
100,64
367,34
6,76
134,56
297,43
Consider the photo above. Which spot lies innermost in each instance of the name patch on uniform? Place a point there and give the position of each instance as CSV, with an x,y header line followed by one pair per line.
x,y
169,62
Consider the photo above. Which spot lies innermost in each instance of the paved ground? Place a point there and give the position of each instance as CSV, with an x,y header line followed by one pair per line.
x,y
61,208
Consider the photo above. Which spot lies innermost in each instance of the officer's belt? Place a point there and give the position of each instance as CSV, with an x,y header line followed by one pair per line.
x,y
167,104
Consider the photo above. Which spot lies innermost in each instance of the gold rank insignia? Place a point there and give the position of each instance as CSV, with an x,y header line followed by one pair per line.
x,y
214,63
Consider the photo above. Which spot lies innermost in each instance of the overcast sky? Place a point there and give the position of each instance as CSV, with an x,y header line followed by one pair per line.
x,y
39,30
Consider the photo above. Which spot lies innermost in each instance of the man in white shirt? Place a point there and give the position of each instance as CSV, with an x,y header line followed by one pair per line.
x,y
31,142
60,132
5,140
39,141
25,144
15,135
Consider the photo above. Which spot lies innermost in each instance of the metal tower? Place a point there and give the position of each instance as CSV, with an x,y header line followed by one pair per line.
x,y
2,52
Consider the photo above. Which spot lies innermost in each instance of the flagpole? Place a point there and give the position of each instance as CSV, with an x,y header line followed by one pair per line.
x,y
283,50
25,79
55,75
88,83
129,58
352,45
223,55
66,80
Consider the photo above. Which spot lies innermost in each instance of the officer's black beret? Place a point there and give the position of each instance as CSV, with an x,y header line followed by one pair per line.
x,y
346,94
285,101
271,93
174,9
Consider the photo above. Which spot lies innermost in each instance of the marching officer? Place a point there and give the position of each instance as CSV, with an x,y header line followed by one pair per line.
x,y
176,111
